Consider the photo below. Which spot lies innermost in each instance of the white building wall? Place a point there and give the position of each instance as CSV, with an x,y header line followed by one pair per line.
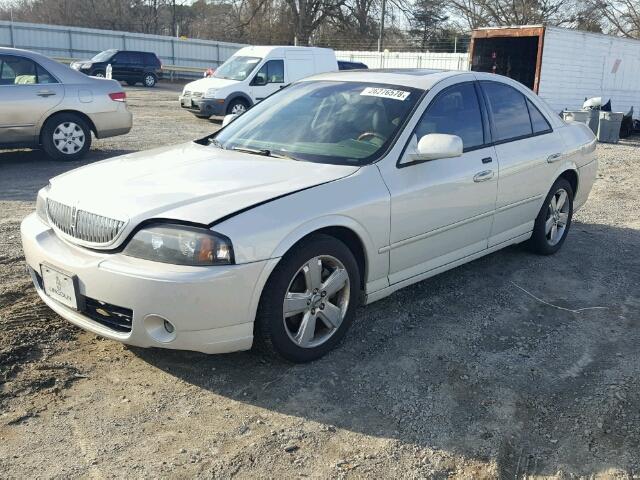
x,y
578,64
441,61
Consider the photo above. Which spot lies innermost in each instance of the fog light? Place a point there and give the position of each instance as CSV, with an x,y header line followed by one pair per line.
x,y
168,327
159,328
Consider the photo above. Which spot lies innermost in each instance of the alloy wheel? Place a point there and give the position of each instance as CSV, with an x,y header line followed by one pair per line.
x,y
557,217
149,81
316,301
68,138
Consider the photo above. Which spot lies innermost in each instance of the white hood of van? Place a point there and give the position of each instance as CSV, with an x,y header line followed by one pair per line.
x,y
204,84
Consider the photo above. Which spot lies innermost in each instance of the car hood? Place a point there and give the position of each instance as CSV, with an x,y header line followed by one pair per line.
x,y
205,83
189,182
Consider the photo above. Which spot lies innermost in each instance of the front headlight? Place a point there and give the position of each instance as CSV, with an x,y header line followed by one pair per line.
x,y
41,204
86,66
210,93
181,245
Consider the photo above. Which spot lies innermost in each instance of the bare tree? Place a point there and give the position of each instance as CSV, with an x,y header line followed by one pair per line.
x,y
309,14
623,15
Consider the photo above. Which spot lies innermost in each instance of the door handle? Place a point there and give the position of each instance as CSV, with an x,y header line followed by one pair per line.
x,y
483,176
554,158
45,93
487,160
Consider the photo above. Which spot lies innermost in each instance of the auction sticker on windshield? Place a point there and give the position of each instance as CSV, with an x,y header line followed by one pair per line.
x,y
59,286
385,93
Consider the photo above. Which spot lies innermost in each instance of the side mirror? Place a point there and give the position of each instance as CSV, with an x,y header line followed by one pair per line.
x,y
228,119
435,146
259,80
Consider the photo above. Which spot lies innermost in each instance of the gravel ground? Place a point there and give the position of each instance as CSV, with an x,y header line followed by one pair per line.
x,y
502,368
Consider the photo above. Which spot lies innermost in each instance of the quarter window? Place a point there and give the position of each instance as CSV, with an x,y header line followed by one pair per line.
x,y
538,122
509,111
455,111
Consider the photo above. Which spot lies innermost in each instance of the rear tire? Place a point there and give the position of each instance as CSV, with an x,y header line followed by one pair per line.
x,y
554,219
317,285
149,80
66,137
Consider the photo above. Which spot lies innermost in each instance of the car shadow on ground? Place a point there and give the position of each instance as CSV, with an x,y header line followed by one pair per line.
x,y
14,163
525,359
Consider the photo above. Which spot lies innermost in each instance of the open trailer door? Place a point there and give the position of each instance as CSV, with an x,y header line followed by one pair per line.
x,y
515,52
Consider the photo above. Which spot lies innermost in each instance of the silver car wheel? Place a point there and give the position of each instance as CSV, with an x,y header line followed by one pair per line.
x,y
238,109
68,138
557,216
99,75
316,301
149,80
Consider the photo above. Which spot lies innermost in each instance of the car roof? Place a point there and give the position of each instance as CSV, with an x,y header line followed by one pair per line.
x,y
408,77
264,50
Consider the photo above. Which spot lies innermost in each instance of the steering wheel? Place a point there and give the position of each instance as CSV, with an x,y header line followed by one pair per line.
x,y
364,135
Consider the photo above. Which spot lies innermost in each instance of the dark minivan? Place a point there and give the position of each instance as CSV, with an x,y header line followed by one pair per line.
x,y
126,65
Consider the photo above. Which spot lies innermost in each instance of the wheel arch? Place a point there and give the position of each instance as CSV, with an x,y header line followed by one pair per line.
x,y
239,95
571,176
84,117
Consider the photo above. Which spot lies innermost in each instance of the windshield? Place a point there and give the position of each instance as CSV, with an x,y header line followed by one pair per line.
x,y
348,123
237,68
104,56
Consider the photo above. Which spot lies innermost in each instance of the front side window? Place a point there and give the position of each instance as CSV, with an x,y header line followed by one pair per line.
x,y
347,123
237,68
455,111
509,111
271,72
22,71
122,58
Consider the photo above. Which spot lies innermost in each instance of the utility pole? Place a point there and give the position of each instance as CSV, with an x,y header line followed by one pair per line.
x,y
380,37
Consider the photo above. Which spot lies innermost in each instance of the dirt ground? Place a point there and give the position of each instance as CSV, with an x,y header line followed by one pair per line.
x,y
511,366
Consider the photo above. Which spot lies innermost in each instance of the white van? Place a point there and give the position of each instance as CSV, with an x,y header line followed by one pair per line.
x,y
252,74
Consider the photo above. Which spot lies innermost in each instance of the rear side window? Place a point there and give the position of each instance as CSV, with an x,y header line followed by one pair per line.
x,y
22,71
151,59
455,111
538,122
509,110
136,58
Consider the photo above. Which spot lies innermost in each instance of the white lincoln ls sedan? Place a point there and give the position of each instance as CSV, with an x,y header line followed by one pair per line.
x,y
337,190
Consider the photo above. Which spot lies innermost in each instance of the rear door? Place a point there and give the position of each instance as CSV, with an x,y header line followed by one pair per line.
x,y
27,93
527,147
269,79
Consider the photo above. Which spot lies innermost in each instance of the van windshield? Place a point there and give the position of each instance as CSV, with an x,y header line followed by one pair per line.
x,y
237,68
346,123
104,56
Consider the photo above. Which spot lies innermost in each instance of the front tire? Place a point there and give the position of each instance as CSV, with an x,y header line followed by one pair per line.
x,y
66,137
237,107
554,219
309,301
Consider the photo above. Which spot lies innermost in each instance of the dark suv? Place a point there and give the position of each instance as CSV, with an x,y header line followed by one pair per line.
x,y
126,65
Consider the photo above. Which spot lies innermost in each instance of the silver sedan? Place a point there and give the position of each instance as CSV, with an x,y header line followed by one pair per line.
x,y
45,104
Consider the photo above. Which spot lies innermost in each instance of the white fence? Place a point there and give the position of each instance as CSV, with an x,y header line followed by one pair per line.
x,y
79,43
444,61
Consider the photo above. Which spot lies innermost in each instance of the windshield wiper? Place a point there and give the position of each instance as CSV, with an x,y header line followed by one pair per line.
x,y
216,143
264,152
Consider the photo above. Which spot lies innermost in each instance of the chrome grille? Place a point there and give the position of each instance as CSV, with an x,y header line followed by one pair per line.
x,y
83,225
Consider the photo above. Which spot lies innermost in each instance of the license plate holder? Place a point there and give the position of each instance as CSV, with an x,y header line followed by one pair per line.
x,y
60,286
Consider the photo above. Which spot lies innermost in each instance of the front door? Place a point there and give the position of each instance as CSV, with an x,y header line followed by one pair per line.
x,y
27,93
269,79
441,210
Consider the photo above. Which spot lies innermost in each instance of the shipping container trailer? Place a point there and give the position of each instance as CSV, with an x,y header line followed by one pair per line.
x,y
563,66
